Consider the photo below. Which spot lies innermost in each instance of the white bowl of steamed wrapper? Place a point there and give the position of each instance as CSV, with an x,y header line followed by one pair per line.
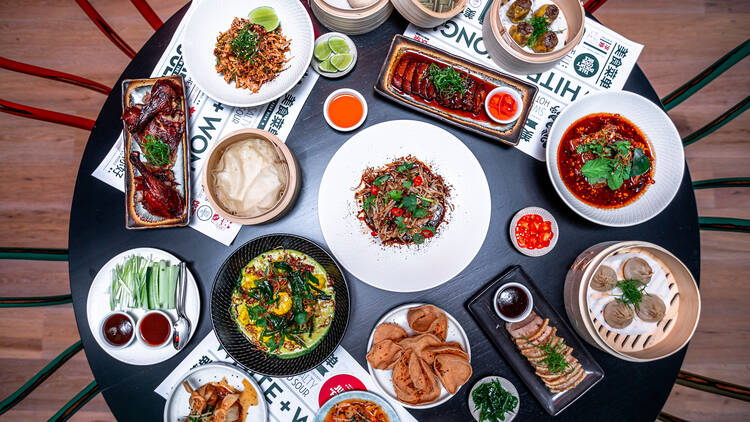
x,y
633,300
251,177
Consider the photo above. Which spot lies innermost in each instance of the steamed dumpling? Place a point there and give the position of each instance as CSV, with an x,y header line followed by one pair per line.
x,y
651,308
618,314
637,269
604,279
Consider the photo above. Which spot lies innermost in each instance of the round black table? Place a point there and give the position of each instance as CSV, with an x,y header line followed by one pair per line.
x,y
628,392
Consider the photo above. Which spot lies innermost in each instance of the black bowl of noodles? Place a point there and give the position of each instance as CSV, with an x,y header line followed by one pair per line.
x,y
280,305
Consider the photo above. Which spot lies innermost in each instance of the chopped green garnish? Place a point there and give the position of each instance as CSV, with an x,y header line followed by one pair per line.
x,y
157,152
447,80
245,45
380,180
493,401
632,292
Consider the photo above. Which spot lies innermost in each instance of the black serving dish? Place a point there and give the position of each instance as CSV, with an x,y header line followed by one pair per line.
x,y
482,309
229,335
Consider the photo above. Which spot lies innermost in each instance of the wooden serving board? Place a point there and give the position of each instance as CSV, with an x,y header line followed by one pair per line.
x,y
506,133
136,217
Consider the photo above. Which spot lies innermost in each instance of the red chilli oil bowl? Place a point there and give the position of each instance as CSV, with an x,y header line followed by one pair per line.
x,y
155,329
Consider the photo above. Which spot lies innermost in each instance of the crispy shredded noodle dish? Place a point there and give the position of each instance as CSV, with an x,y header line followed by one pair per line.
x,y
249,55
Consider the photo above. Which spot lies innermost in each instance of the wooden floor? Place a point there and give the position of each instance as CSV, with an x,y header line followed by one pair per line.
x,y
39,161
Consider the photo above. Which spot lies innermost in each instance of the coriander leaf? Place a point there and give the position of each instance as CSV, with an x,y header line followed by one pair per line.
x,y
417,238
623,148
594,147
409,203
641,163
368,202
419,213
402,228
597,170
404,167
408,184
395,194
379,181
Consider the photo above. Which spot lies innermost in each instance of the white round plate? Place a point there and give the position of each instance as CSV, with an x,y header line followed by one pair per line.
x,y
356,394
97,307
507,386
417,267
547,216
669,157
213,16
177,408
352,50
382,377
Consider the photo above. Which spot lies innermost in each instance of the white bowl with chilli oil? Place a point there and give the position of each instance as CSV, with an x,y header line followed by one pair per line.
x,y
516,98
340,99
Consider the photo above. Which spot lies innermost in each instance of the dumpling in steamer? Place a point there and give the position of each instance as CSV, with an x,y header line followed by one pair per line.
x,y
618,314
604,279
521,33
545,42
548,11
518,10
637,269
651,308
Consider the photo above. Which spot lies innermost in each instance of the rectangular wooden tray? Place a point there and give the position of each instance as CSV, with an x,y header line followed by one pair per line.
x,y
136,217
506,133
481,307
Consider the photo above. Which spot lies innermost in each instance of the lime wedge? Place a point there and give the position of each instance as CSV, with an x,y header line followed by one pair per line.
x,y
326,66
265,16
322,51
341,61
338,45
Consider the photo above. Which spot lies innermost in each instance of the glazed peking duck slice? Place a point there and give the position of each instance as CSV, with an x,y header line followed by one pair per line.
x,y
155,189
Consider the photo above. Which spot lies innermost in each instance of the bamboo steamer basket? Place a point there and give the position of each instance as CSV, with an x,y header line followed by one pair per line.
x,y
423,17
512,58
351,21
670,335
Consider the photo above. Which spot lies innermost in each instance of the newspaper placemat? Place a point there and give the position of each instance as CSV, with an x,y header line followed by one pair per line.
x,y
602,60
289,399
208,121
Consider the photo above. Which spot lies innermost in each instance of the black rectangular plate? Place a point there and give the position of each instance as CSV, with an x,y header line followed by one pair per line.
x,y
481,307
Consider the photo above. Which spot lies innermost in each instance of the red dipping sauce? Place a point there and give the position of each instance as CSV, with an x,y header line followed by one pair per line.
x,y
118,329
502,106
155,329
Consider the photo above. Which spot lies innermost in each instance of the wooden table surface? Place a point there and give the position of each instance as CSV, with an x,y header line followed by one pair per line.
x,y
39,163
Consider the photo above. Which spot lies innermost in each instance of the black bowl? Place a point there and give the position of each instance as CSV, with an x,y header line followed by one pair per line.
x,y
235,343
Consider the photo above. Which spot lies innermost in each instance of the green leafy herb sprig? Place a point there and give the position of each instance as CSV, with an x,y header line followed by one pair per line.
x,y
157,152
447,80
632,292
245,45
493,401
615,163
554,359
540,25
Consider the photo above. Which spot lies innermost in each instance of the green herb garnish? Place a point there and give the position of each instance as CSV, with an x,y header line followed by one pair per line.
x,y
540,25
447,80
380,180
554,359
404,167
245,45
157,152
632,292
493,401
368,202
614,163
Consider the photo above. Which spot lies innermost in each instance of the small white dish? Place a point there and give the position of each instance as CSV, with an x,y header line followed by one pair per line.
x,y
352,50
109,345
177,408
336,93
382,377
516,97
168,338
507,386
526,311
547,216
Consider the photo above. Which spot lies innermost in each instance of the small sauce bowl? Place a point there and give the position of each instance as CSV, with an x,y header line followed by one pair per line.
x,y
155,329
344,92
113,326
504,90
514,299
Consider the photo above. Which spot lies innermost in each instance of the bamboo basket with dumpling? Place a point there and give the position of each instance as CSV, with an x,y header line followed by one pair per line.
x,y
661,337
351,17
428,13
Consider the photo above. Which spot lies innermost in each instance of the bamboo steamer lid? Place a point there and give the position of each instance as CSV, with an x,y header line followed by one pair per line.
x,y
422,17
351,21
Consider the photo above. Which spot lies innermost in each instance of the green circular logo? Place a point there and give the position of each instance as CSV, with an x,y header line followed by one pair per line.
x,y
586,65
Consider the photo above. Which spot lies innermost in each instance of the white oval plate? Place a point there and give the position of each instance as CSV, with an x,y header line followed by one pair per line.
x,y
507,386
382,377
177,407
669,157
352,50
213,16
97,307
414,268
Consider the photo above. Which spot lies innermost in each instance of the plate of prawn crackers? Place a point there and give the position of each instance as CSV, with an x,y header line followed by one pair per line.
x,y
419,355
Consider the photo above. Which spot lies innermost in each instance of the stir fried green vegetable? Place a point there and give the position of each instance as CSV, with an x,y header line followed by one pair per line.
x,y
493,401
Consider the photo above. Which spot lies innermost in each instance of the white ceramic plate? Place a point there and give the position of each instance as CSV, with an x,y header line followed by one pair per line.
x,y
355,394
660,133
177,407
507,386
97,307
211,17
413,268
382,377
547,216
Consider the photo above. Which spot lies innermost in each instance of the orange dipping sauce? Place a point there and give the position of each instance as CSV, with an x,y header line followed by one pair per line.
x,y
345,110
502,106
